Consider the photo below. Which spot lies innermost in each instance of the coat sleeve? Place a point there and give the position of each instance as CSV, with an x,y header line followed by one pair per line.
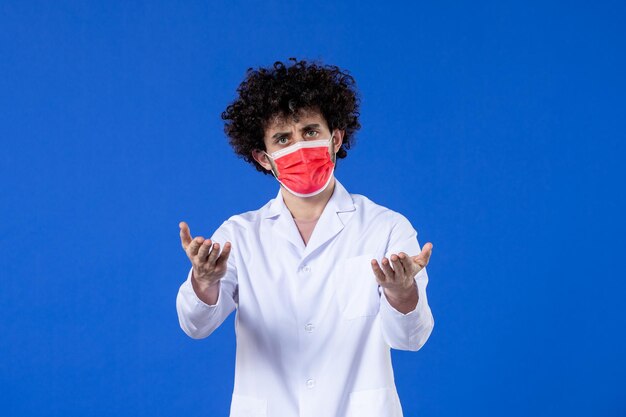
x,y
408,331
198,319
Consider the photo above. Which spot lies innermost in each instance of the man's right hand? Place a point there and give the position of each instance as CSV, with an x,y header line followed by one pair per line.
x,y
209,265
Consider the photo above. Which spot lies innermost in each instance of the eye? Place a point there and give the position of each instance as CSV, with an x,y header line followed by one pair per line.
x,y
311,133
282,140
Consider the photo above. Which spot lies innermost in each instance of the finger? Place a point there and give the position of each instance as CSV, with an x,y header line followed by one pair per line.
x,y
378,272
224,255
215,251
193,248
203,252
424,256
185,235
398,268
428,249
386,266
408,266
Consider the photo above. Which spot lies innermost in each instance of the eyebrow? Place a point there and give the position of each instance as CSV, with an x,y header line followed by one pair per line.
x,y
307,127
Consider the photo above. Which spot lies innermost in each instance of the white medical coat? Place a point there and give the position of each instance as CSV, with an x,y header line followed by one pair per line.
x,y
313,328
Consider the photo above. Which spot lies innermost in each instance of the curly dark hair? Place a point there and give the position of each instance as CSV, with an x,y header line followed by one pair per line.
x,y
283,91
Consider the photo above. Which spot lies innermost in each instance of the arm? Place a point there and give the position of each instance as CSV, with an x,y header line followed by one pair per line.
x,y
203,307
406,318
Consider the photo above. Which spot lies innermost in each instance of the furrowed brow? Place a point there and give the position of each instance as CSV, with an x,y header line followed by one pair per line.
x,y
279,134
302,129
311,126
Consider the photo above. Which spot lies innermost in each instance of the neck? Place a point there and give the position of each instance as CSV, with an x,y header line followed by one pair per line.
x,y
308,208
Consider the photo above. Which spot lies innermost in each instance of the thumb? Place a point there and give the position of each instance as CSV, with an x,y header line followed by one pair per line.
x,y
185,234
424,256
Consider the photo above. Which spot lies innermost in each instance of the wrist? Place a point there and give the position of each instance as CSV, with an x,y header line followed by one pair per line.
x,y
203,285
207,292
402,295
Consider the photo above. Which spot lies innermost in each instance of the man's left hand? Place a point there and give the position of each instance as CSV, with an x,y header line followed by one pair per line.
x,y
397,276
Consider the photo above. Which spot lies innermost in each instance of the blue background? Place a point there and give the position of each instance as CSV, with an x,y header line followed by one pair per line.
x,y
496,127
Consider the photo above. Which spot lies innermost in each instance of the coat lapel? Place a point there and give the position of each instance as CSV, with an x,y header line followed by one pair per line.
x,y
335,216
283,225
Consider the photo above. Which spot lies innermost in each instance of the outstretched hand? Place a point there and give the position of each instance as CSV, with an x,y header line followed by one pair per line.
x,y
397,276
209,265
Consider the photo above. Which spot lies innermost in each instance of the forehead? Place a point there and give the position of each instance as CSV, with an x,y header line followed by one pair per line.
x,y
280,122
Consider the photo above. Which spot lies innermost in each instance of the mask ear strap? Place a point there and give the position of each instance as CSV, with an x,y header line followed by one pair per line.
x,y
272,165
331,149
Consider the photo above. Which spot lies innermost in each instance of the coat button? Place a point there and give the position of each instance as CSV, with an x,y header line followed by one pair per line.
x,y
306,269
309,328
310,383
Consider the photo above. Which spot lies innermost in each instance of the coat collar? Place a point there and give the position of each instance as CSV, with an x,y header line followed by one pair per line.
x,y
340,201
334,217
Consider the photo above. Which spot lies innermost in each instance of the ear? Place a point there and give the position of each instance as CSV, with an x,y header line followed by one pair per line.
x,y
261,158
338,138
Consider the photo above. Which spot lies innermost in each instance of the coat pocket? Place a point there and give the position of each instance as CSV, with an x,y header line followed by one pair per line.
x,y
244,406
379,402
356,287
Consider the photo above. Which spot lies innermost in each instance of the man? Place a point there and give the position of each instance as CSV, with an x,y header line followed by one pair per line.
x,y
317,313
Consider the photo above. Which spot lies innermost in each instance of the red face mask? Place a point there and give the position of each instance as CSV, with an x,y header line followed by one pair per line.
x,y
304,168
